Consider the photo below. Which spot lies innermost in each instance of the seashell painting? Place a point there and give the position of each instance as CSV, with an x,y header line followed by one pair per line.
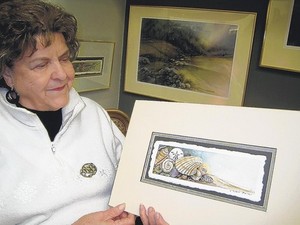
x,y
188,165
208,166
167,165
162,154
176,153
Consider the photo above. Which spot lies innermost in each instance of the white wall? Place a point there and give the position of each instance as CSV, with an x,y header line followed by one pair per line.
x,y
101,20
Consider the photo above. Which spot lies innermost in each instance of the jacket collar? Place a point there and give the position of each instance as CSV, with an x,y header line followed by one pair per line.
x,y
74,106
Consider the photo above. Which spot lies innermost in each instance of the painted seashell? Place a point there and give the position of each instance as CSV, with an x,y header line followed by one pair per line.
x,y
167,165
157,169
184,177
161,155
176,153
174,172
189,165
204,169
206,179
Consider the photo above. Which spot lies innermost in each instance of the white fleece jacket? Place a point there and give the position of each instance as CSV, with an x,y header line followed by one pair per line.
x,y
40,180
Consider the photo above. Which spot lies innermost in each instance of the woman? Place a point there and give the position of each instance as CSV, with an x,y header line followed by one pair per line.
x,y
59,152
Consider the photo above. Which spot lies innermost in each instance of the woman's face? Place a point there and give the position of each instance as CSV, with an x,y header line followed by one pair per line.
x,y
43,79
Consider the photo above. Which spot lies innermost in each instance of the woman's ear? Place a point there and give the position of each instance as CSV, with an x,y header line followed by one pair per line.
x,y
7,76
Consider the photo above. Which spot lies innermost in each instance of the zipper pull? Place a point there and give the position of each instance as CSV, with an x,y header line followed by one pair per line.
x,y
53,148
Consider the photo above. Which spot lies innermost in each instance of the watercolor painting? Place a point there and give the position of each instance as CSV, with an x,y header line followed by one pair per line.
x,y
231,172
88,66
189,55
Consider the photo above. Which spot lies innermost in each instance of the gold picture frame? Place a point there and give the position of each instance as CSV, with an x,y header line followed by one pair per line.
x,y
207,86
93,65
276,53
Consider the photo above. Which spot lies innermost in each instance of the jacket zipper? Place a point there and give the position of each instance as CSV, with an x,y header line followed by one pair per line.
x,y
53,148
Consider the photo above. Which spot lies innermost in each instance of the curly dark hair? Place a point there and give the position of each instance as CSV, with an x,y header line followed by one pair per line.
x,y
21,21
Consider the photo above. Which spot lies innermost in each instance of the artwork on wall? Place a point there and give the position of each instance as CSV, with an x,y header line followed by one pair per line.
x,y
189,55
93,65
281,46
231,172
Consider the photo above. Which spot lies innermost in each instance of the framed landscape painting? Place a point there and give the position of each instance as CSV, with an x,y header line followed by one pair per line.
x,y
189,55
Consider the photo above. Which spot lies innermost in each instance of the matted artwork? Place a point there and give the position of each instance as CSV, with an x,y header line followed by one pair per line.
x,y
282,36
231,172
189,55
93,65
211,164
88,66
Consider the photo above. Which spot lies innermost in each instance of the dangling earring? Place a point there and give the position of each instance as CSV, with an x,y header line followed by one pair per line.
x,y
12,96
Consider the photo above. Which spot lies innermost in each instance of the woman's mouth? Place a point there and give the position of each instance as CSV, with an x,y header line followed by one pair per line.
x,y
58,88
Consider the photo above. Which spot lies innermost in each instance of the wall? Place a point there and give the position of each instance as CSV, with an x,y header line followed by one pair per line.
x,y
267,88
101,20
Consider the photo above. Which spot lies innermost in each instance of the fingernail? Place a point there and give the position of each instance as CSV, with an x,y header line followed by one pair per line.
x,y
121,206
151,209
157,215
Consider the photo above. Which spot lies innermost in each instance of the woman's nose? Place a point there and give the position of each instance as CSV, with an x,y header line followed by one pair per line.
x,y
58,71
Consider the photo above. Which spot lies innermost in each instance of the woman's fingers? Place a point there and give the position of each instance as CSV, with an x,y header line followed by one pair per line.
x,y
151,217
113,212
143,215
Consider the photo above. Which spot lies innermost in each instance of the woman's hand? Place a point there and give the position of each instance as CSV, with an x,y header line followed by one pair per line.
x,y
112,216
151,217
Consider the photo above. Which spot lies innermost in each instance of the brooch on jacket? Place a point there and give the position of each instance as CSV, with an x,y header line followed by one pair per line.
x,y
88,170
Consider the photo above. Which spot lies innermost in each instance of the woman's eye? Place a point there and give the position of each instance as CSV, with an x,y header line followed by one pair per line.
x,y
40,66
66,59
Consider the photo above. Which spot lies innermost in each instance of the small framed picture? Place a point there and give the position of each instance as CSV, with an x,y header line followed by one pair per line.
x,y
93,65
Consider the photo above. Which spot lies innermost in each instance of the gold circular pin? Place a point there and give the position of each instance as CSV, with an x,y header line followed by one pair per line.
x,y
88,170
